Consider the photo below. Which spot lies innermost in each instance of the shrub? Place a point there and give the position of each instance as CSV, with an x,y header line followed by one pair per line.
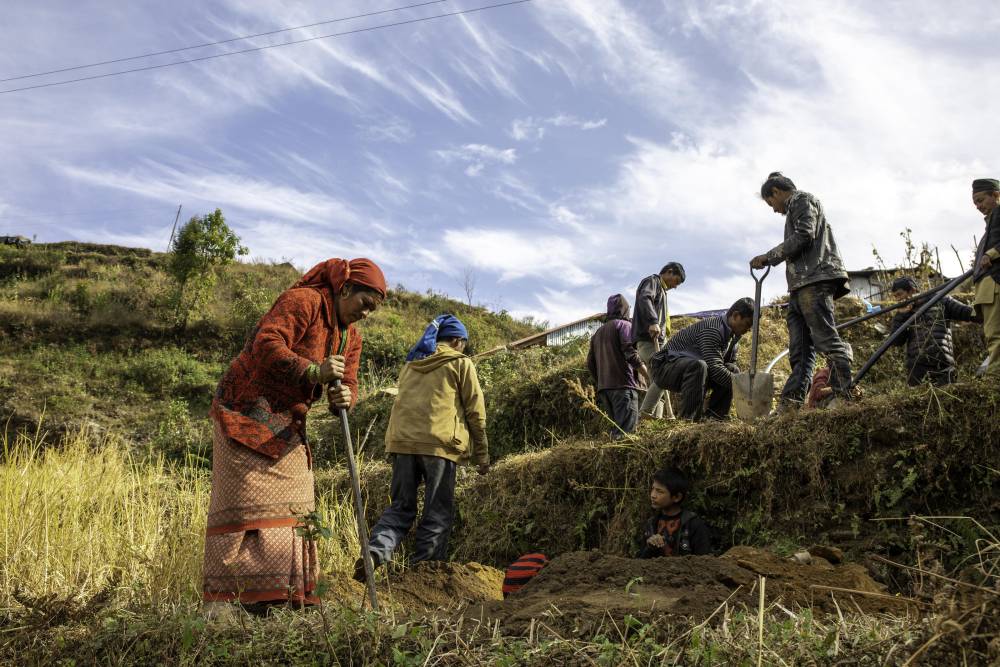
x,y
171,372
250,303
181,438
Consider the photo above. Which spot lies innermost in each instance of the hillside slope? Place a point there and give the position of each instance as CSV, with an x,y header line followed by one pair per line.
x,y
89,336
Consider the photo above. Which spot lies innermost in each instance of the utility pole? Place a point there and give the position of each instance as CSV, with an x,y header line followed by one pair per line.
x,y
170,244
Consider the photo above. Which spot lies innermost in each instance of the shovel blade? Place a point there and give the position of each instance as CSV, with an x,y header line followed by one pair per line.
x,y
753,402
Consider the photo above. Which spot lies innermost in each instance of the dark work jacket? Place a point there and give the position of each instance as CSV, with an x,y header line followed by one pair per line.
x,y
691,539
650,308
990,241
809,251
612,360
928,340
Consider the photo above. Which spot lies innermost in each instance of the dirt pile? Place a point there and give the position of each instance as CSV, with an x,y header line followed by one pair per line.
x,y
580,592
428,586
436,585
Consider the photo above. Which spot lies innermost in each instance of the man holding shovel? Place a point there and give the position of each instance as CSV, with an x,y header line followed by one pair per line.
x,y
651,328
816,277
699,360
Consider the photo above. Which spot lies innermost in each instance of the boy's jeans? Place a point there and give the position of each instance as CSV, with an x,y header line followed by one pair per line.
x,y
811,329
434,529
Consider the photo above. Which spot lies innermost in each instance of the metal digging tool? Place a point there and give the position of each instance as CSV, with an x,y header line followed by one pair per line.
x,y
359,510
753,392
939,294
866,317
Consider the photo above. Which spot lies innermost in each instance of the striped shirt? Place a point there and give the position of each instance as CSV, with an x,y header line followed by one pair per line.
x,y
710,340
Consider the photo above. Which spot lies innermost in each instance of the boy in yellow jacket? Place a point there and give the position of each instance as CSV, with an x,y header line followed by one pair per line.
x,y
438,421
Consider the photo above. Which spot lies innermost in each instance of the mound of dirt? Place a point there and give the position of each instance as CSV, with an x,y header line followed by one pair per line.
x,y
436,585
428,586
578,592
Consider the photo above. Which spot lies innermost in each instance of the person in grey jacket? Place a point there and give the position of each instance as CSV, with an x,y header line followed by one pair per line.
x,y
816,277
651,328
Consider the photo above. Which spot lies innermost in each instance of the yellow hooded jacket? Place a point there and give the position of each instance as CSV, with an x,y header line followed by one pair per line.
x,y
440,410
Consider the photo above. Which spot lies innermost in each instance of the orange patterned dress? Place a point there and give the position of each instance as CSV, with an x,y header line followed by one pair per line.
x,y
262,478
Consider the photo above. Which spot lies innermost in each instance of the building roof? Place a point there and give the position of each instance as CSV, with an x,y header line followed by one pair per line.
x,y
538,338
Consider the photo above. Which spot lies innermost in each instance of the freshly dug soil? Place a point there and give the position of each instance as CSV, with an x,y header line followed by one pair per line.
x,y
581,592
435,585
428,586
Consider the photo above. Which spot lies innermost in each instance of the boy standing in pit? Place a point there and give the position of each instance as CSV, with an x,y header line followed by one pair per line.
x,y
673,530
438,421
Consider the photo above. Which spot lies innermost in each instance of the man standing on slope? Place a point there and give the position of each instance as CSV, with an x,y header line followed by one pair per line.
x,y
816,277
651,328
986,198
616,367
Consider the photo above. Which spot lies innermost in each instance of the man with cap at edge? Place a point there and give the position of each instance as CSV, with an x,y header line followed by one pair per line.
x,y
438,421
986,276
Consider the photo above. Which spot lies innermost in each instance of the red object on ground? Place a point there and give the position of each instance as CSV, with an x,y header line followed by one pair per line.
x,y
521,571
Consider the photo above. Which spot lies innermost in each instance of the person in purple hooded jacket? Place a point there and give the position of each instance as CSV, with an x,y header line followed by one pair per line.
x,y
615,365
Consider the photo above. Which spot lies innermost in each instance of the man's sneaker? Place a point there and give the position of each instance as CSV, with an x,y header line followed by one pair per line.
x,y
359,567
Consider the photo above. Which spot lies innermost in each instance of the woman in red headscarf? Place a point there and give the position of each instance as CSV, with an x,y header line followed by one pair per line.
x,y
262,479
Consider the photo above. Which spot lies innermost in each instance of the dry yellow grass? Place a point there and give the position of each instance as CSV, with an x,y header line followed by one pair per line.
x,y
86,515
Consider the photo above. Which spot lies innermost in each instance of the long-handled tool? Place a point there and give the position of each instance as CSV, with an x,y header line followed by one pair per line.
x,y
753,391
866,317
940,294
359,509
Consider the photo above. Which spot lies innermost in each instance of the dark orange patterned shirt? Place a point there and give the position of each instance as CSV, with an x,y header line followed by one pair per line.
x,y
263,398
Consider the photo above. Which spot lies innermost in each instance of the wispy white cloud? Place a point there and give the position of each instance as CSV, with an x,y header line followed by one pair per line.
x,y
533,129
518,255
392,129
165,183
477,156
441,96
389,185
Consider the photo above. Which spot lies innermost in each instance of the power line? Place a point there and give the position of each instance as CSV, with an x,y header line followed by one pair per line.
x,y
221,41
270,46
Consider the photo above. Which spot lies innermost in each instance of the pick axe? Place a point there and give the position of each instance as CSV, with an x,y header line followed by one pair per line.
x,y
359,510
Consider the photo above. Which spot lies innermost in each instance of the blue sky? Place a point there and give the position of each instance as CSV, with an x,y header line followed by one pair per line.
x,y
558,150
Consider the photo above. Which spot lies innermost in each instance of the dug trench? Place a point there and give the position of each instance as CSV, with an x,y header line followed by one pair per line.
x,y
584,593
851,478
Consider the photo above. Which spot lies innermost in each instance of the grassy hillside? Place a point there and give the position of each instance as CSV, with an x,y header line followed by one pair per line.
x,y
90,338
104,521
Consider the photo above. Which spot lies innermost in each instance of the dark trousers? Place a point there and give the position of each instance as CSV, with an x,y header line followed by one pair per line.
x,y
689,377
812,329
434,529
622,405
936,376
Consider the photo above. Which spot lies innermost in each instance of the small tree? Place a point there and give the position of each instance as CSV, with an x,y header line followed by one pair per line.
x,y
469,283
201,247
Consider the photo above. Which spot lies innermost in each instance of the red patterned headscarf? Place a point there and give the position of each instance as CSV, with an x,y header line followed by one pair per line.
x,y
333,273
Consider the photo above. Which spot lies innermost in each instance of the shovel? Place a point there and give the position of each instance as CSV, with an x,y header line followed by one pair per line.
x,y
753,392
